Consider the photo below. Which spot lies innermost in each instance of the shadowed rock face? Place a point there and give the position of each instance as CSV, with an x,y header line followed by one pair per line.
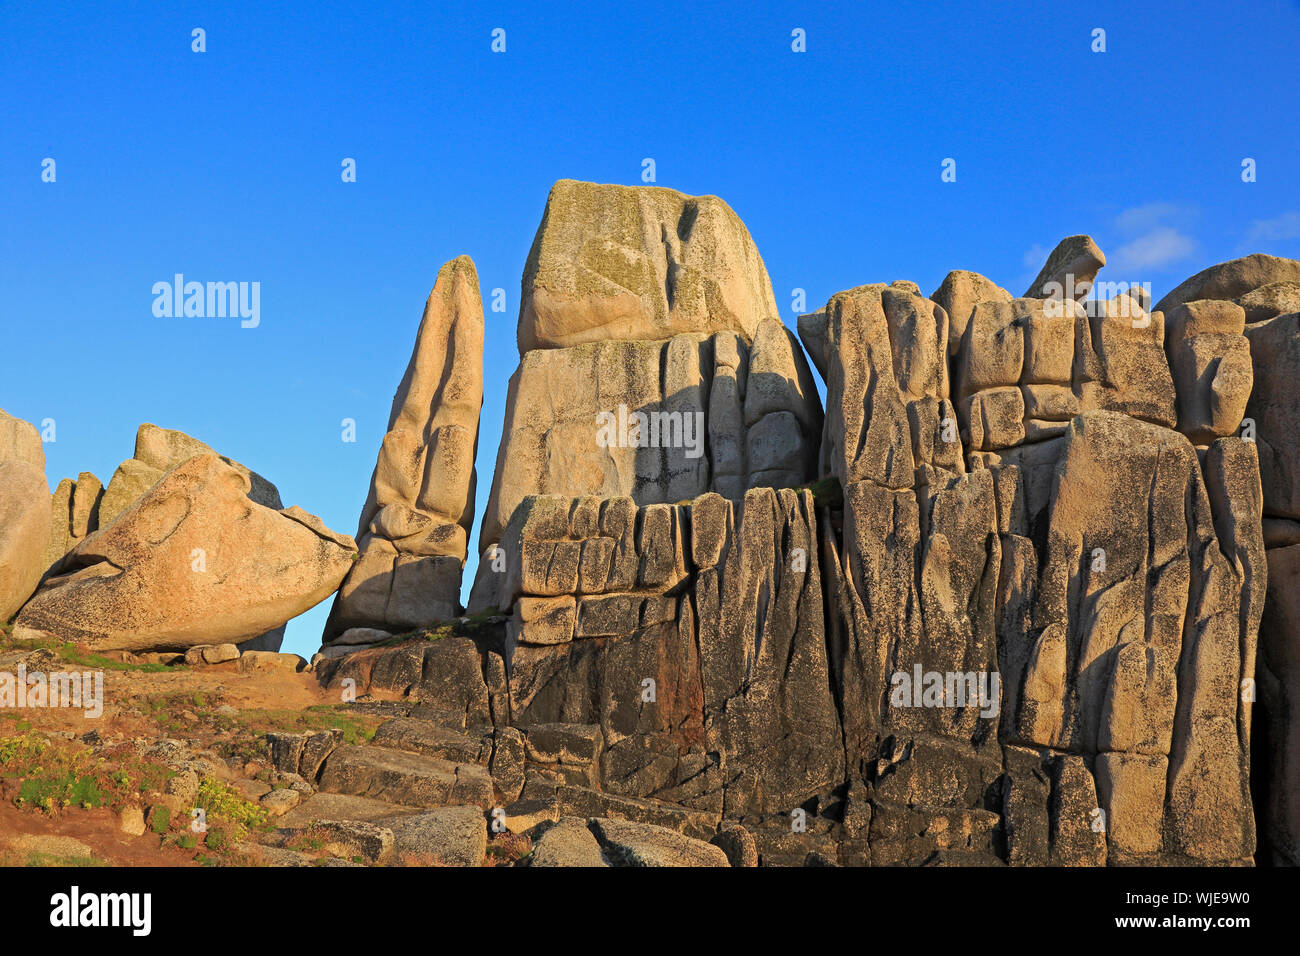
x,y
193,561
1274,401
701,638
659,421
416,519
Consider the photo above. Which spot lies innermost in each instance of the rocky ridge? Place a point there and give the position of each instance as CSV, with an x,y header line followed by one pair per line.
x,y
1021,593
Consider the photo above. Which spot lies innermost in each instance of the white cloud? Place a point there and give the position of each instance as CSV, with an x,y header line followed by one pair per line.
x,y
1147,217
1156,237
1285,226
1162,246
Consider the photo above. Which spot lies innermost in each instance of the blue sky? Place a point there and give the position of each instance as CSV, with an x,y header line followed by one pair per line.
x,y
225,166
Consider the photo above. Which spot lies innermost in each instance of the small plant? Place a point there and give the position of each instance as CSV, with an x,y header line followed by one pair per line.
x,y
223,802
507,849
309,840
827,492
218,839
52,776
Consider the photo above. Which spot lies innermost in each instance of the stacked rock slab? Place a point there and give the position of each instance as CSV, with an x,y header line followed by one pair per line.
x,y
417,516
688,646
25,515
1058,545
193,561
652,362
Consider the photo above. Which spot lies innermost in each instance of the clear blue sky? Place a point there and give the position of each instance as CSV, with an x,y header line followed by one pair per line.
x,y
225,165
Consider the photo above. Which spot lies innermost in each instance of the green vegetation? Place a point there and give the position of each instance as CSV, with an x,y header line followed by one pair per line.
x,y
310,840
50,859
233,813
826,492
74,654
456,627
508,849
54,775
218,839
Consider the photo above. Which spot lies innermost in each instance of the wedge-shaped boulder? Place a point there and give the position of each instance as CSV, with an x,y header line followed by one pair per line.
x,y
194,561
1069,271
639,262
158,451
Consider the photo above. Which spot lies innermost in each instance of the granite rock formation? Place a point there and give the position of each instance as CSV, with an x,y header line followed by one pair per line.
x,y
652,362
25,515
416,519
192,561
1014,618
630,263
84,506
1024,592
158,451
